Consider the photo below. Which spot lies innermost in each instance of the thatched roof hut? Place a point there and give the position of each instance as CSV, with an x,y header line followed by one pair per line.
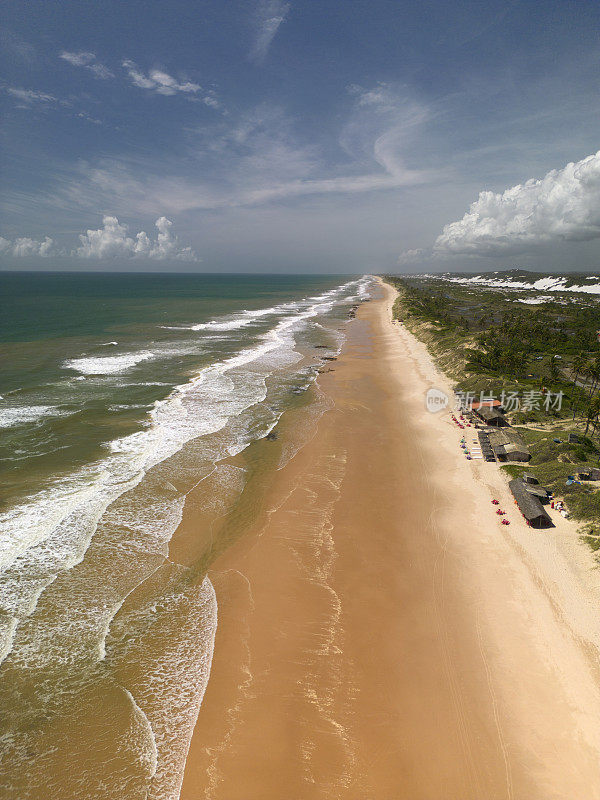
x,y
538,491
491,416
508,445
529,506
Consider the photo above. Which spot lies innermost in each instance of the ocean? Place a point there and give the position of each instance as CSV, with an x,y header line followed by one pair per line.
x,y
129,402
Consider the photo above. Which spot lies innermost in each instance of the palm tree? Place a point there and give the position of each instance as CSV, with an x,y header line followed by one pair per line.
x,y
592,372
592,413
578,368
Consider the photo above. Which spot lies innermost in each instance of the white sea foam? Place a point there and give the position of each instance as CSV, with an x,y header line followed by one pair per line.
x,y
241,319
206,403
187,620
227,325
99,366
25,415
127,406
107,365
149,754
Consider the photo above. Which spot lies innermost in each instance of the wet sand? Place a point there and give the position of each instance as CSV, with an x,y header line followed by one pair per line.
x,y
380,637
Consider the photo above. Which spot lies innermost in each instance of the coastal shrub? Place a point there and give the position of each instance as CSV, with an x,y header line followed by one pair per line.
x,y
513,470
582,504
592,541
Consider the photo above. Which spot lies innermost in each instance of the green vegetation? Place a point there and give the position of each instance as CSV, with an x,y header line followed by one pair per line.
x,y
487,341
554,462
592,541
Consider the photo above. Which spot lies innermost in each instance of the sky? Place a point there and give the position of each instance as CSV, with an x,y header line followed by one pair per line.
x,y
300,136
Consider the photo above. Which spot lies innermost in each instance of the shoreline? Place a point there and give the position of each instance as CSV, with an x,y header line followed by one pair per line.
x,y
379,634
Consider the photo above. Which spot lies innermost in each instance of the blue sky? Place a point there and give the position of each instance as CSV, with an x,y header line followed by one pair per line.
x,y
300,136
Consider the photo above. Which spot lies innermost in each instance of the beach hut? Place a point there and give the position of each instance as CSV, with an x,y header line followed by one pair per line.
x,y
538,491
491,416
528,478
529,505
508,445
595,474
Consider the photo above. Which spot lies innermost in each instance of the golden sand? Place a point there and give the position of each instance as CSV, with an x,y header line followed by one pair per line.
x,y
380,636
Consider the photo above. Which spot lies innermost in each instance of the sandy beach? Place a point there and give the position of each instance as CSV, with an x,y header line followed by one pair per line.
x,y
380,635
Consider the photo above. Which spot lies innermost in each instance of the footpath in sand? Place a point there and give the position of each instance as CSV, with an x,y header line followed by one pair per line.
x,y
381,636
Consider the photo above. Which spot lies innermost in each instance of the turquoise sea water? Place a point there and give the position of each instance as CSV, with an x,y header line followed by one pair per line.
x,y
83,358
120,394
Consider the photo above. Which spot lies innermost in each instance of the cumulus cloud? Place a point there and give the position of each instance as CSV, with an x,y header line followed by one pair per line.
x,y
87,61
269,16
112,240
564,205
24,247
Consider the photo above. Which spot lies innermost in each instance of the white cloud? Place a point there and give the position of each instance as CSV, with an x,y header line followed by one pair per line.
x,y
100,71
31,99
87,61
564,205
161,82
268,17
412,256
112,241
259,157
384,121
78,59
109,241
24,247
31,96
210,99
88,118
156,80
